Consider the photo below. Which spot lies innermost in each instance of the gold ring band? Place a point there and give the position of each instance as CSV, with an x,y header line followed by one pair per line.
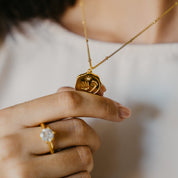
x,y
47,135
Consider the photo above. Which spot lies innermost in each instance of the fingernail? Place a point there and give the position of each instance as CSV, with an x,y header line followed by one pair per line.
x,y
124,112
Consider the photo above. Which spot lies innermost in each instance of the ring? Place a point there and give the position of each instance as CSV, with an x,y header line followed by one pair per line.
x,y
47,135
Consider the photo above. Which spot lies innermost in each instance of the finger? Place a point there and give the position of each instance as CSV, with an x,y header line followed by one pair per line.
x,y
64,163
65,89
63,105
100,93
68,133
80,175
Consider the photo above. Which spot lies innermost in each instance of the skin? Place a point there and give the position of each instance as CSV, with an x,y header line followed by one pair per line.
x,y
22,153
119,20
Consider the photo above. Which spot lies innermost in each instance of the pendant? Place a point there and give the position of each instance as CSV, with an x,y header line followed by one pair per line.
x,y
88,82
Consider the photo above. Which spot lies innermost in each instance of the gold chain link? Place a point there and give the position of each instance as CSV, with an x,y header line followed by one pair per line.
x,y
125,44
85,32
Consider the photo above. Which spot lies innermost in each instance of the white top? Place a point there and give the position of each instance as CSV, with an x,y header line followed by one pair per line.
x,y
142,77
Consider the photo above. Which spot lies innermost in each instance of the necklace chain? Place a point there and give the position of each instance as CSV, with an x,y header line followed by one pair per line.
x,y
125,44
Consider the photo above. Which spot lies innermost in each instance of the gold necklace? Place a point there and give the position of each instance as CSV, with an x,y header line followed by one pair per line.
x,y
89,81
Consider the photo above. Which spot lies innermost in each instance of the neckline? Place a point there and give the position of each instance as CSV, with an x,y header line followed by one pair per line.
x,y
78,37
62,33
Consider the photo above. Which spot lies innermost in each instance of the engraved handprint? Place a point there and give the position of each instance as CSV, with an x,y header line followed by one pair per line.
x,y
88,83
85,85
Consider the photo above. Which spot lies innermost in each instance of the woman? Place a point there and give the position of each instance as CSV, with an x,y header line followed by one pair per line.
x,y
38,56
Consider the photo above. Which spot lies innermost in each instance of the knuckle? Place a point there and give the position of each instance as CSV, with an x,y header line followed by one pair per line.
x,y
71,99
3,114
80,128
21,171
85,175
86,157
82,132
64,89
9,147
3,118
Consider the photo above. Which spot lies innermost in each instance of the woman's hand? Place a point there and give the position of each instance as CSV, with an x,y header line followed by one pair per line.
x,y
24,155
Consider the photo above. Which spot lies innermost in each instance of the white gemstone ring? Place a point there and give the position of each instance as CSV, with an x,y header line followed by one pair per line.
x,y
47,135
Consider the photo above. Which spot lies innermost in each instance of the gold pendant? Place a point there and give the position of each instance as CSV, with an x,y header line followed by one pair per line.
x,y
88,82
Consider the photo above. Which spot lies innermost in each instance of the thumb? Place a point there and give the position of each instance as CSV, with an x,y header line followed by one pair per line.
x,y
65,89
